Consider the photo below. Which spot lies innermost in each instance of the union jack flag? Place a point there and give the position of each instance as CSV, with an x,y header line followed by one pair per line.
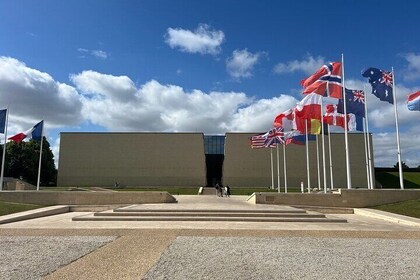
x,y
270,139
325,81
381,82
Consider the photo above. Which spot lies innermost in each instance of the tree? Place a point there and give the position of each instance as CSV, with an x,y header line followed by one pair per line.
x,y
22,160
404,166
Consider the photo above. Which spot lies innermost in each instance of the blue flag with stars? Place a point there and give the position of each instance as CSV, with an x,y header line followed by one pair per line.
x,y
381,82
355,103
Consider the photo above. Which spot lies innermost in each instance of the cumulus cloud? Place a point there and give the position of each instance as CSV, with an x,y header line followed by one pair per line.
x,y
203,40
308,65
412,72
241,63
33,95
96,53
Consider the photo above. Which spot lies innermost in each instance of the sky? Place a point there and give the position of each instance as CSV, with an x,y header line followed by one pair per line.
x,y
200,66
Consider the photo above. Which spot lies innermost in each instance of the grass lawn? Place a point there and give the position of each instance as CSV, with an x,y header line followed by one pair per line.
x,y
10,208
408,208
391,180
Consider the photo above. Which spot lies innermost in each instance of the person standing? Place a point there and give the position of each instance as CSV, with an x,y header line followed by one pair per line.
x,y
227,190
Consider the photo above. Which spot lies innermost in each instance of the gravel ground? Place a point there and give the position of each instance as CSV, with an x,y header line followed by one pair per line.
x,y
288,258
33,257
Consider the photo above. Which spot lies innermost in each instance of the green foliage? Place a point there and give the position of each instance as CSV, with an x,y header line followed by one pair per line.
x,y
404,166
22,160
408,208
391,180
7,208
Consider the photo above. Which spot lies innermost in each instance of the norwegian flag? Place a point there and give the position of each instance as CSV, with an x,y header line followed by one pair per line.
x,y
326,81
381,82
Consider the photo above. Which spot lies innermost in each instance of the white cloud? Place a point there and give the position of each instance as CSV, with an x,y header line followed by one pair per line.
x,y
203,40
412,72
241,64
32,95
308,65
96,53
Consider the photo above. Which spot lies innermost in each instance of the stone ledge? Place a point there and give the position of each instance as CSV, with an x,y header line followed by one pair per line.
x,y
35,213
390,217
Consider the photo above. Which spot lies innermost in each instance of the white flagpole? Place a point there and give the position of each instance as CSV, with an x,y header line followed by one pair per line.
x,y
394,93
4,150
272,169
366,155
278,168
307,156
317,162
345,126
331,162
324,170
40,158
284,168
372,183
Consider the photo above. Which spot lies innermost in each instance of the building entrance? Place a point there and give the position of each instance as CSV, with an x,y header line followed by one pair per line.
x,y
214,146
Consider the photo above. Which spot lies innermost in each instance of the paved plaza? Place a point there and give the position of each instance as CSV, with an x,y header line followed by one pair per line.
x,y
56,247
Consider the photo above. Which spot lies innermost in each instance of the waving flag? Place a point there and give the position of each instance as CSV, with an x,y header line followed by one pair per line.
x,y
284,120
355,103
331,117
35,133
325,81
3,114
413,102
296,138
381,82
309,107
269,139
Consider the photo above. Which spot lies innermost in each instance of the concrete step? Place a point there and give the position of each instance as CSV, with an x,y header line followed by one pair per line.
x,y
209,214
132,209
305,219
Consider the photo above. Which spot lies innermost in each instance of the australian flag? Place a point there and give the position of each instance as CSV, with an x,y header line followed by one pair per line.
x,y
381,82
355,103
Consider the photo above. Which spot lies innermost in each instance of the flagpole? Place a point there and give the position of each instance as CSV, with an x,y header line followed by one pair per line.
x,y
394,89
4,150
272,169
278,168
317,162
372,184
323,150
345,126
40,158
330,154
284,168
366,155
307,156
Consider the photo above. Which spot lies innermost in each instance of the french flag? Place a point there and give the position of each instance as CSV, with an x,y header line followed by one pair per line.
x,y
35,133
413,102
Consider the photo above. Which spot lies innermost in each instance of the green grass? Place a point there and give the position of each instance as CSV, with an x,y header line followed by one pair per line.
x,y
391,180
10,208
408,208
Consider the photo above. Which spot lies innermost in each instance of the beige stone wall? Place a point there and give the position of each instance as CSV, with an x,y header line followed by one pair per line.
x,y
132,159
246,167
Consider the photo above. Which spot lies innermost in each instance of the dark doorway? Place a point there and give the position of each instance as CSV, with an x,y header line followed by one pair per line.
x,y
214,165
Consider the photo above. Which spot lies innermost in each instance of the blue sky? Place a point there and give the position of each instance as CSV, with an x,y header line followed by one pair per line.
x,y
210,66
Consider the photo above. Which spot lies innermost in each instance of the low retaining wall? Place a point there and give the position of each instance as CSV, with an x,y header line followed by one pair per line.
x,y
343,198
85,198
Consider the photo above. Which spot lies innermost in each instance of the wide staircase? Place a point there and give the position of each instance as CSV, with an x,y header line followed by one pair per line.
x,y
205,209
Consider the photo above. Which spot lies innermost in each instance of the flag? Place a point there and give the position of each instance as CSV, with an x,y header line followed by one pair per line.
x,y
3,114
381,82
331,117
314,126
35,133
309,107
294,137
269,139
284,120
355,103
325,81
413,101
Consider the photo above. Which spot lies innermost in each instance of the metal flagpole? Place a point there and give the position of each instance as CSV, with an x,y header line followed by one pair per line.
x,y
397,130
278,168
346,140
317,162
366,148
4,150
284,168
272,169
372,184
330,154
40,157
324,170
307,156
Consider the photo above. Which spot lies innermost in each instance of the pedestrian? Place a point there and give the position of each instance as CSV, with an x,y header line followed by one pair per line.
x,y
222,189
217,189
227,190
